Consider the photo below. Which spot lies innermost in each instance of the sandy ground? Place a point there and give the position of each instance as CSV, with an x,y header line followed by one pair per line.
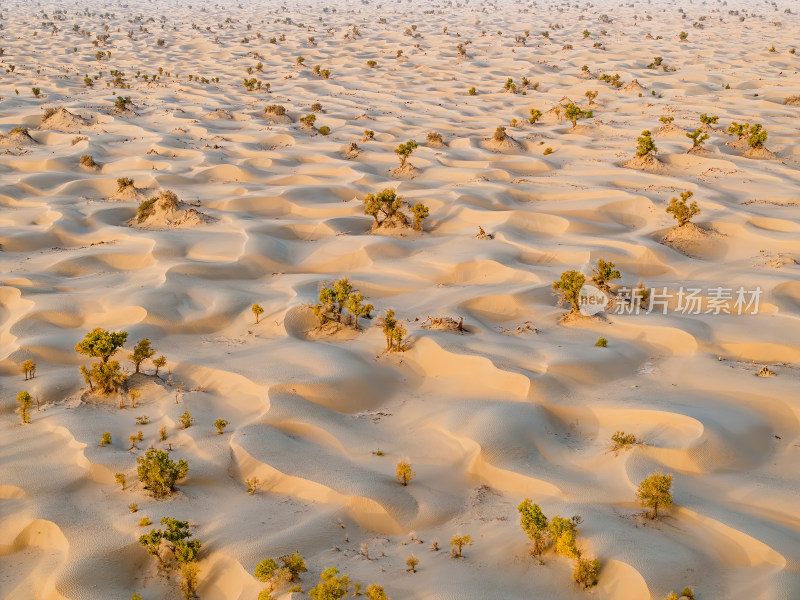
x,y
520,405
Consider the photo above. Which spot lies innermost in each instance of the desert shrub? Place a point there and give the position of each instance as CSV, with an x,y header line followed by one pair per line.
x,y
122,102
141,352
420,212
383,205
404,151
568,288
124,182
375,592
36,92
434,137
585,571
120,479
510,85
698,138
178,538
159,473
143,419
88,161
757,136
681,211
708,120
308,120
372,64
654,491
186,419
645,146
573,113
368,135
457,543
28,368
601,342
356,306
324,130
332,586
404,473
548,151
683,36
740,130
145,522
252,485
472,91
499,134
535,115
657,62
412,562
133,507
275,109
136,437
614,80
24,401
623,440
534,524
604,272
146,209
220,425
316,107
688,593
591,95
257,310
105,439
666,120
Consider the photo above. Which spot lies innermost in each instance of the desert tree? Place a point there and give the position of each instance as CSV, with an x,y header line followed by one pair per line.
x,y
404,151
176,537
332,585
158,363
252,485
28,368
740,130
590,96
141,352
457,543
757,136
159,473
654,492
24,402
698,138
604,272
220,425
393,331
403,473
681,211
534,524
420,212
136,437
357,308
120,479
574,113
257,310
585,571
645,146
134,395
563,533
101,343
568,288
383,206
375,592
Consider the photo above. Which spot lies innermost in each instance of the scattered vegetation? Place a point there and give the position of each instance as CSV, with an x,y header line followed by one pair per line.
x,y
681,211
624,440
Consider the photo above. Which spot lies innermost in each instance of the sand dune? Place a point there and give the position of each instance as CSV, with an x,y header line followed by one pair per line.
x,y
197,202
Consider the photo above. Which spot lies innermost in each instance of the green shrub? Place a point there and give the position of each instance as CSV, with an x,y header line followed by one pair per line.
x,y
159,473
681,211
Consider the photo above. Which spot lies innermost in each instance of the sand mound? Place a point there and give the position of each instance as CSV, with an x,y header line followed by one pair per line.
x,y
760,153
647,163
407,171
167,211
792,101
63,120
502,143
18,137
670,130
128,193
689,239
352,151
633,86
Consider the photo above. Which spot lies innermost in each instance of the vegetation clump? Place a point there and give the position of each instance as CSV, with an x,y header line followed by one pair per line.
x,y
159,473
334,301
107,374
681,211
654,492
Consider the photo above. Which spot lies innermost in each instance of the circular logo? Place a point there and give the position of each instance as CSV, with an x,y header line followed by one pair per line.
x,y
591,300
